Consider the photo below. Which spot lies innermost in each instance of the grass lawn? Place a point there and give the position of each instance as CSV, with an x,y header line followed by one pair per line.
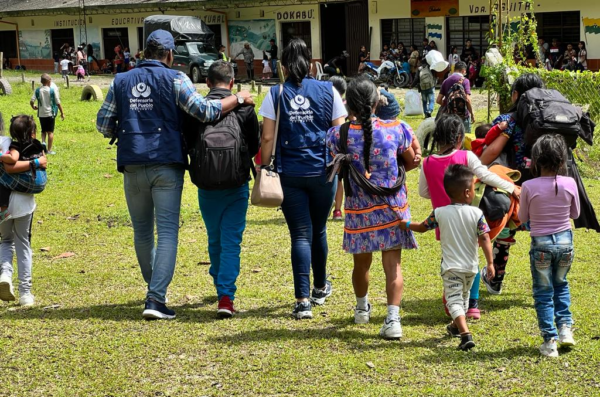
x,y
85,336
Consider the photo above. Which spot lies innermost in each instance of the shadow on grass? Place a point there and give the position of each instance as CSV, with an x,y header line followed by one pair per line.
x,y
266,222
451,355
203,312
430,311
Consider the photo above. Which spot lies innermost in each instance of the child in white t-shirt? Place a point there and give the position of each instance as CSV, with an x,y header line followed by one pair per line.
x,y
64,66
462,229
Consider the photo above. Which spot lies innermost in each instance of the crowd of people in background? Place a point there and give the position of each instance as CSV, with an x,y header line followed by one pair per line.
x,y
554,56
81,61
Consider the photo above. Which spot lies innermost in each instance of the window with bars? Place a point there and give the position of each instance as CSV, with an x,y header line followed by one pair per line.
x,y
563,26
406,30
462,28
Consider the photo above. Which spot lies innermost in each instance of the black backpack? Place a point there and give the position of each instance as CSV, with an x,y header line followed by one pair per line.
x,y
219,158
457,99
544,111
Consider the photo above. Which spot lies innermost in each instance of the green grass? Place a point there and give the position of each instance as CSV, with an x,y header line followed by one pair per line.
x,y
85,336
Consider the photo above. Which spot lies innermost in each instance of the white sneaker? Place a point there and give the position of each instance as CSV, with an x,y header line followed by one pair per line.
x,y
26,299
7,292
565,336
391,329
362,316
549,349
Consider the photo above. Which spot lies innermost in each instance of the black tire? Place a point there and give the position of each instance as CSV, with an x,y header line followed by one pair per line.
x,y
92,92
401,81
195,75
5,88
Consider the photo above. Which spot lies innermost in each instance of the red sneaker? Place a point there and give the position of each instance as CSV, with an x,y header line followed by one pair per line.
x,y
337,215
225,308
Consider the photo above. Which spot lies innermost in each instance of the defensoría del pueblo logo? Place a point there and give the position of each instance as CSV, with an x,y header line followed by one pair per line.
x,y
141,90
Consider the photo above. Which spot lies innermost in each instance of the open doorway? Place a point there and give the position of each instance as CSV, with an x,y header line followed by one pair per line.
x,y
8,43
113,37
216,29
333,31
344,26
60,37
292,30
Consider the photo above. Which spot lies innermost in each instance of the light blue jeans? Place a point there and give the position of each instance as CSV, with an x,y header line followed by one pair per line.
x,y
467,124
224,214
428,98
551,258
153,194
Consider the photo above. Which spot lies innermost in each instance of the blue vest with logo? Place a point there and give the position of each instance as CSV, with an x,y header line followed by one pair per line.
x,y
306,114
150,122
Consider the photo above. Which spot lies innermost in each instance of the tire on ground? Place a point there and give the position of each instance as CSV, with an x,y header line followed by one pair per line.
x,y
5,88
92,92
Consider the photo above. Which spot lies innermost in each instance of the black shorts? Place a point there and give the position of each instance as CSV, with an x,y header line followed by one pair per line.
x,y
47,124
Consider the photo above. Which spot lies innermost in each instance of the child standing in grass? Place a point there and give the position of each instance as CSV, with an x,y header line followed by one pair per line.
x,y
548,202
16,230
48,105
447,142
372,153
463,228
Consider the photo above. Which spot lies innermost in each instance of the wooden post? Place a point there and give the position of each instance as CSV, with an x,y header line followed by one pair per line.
x,y
32,85
23,77
259,88
252,86
239,87
1,63
67,79
280,71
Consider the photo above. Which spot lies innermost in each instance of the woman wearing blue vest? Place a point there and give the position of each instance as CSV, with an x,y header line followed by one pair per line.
x,y
308,109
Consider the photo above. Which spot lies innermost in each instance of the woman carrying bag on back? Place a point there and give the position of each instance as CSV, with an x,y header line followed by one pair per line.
x,y
308,109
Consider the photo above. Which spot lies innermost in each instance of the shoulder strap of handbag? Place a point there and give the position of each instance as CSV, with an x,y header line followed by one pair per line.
x,y
343,163
274,150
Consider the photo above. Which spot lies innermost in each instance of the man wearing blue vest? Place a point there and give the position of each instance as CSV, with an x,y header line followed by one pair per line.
x,y
144,109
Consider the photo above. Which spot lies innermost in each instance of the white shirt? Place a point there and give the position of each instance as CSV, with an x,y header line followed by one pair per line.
x,y
267,109
4,144
64,64
44,104
480,170
21,204
459,234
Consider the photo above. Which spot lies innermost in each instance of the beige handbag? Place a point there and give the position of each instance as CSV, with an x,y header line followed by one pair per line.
x,y
267,191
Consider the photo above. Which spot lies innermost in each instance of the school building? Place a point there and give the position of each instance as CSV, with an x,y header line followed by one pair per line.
x,y
328,26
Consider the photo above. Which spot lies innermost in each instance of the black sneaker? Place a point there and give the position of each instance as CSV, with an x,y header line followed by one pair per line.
x,y
318,296
492,287
466,342
302,310
157,311
453,331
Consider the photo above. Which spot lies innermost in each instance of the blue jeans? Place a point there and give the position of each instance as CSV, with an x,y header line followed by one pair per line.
x,y
274,67
306,205
224,214
467,124
551,258
153,194
428,98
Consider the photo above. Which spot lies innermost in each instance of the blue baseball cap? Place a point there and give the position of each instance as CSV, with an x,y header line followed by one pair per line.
x,y
163,38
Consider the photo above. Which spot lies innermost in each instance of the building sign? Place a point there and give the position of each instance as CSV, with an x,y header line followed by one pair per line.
x,y
213,19
65,23
513,6
295,15
433,8
127,21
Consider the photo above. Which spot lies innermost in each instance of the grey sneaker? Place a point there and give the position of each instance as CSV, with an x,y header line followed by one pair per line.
x,y
565,336
318,296
549,348
7,292
391,329
492,288
26,299
302,310
362,316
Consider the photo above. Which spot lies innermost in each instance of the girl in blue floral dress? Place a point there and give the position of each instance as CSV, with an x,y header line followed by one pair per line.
x,y
372,221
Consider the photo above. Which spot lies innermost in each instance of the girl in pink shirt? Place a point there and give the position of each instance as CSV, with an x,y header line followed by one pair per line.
x,y
447,142
549,202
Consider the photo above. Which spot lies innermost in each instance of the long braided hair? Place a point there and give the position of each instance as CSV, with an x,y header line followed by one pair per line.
x,y
549,153
449,130
361,98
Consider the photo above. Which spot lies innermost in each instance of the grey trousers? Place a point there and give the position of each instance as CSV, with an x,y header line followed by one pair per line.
x,y
457,288
16,238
